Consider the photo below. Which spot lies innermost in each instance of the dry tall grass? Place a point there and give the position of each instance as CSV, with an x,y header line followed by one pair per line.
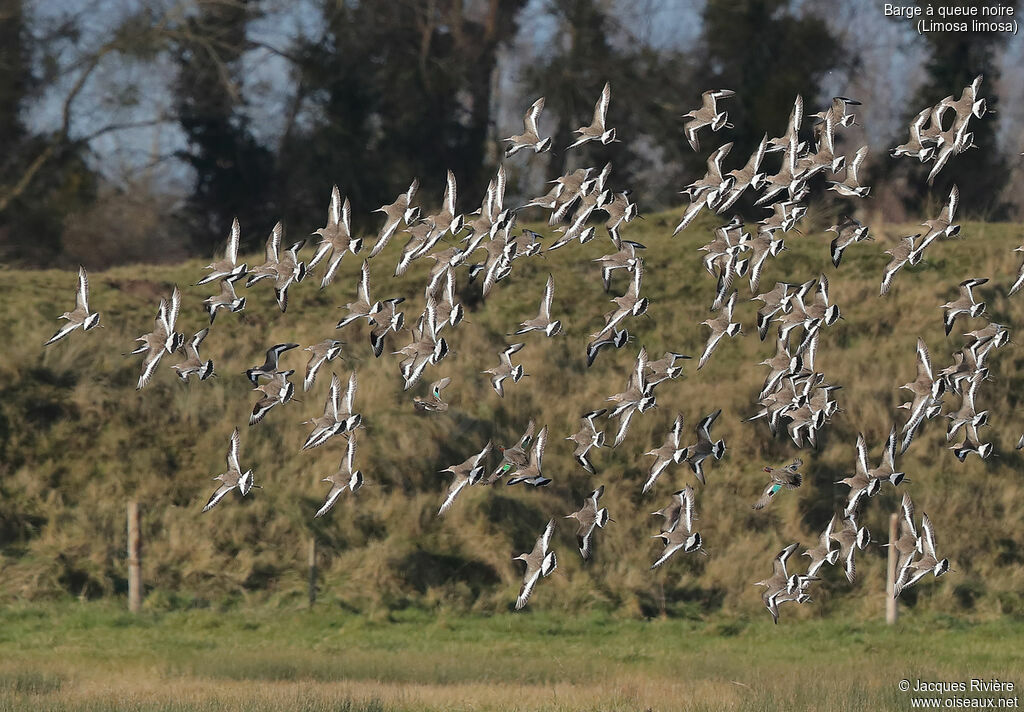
x,y
77,441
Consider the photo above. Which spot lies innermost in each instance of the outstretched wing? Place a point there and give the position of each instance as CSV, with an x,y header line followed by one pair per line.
x,y
412,376
907,511
669,550
929,535
364,283
334,397
638,378
334,211
261,408
677,431
231,253
82,298
453,492
437,386
924,359
482,455
350,452
709,348
687,512
784,555
828,136
350,392
528,585
538,447
149,364
197,339
889,456
233,448
758,157
826,536
854,167
274,244
170,314
797,115
601,108
862,455
704,426
498,196
450,193
332,498
766,495
217,497
346,217
545,538
62,332
532,115
315,362
506,355
410,193
549,293
952,204
585,542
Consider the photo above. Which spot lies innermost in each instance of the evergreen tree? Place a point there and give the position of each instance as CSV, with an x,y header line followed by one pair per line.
x,y
233,172
16,76
767,54
395,91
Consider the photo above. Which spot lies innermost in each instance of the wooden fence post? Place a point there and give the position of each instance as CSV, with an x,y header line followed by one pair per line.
x,y
891,610
312,571
134,559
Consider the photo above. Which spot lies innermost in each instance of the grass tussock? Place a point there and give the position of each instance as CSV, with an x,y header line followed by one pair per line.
x,y
77,441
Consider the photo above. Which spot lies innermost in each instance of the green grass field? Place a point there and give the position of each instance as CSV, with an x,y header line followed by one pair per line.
x,y
95,657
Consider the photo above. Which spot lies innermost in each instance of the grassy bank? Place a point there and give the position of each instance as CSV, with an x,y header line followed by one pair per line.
x,y
77,441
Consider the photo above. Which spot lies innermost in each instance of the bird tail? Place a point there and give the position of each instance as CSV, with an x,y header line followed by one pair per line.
x,y
549,564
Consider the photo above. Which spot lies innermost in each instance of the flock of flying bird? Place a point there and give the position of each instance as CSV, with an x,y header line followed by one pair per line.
x,y
795,395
